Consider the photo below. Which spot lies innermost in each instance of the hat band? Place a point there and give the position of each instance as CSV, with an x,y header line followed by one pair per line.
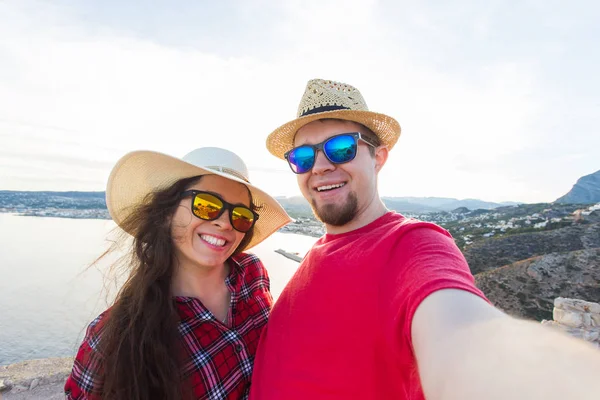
x,y
229,171
321,109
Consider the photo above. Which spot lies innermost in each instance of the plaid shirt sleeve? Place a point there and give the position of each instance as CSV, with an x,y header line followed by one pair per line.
x,y
85,380
259,283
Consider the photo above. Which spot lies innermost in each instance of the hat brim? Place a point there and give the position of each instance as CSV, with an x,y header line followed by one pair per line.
x,y
385,127
142,172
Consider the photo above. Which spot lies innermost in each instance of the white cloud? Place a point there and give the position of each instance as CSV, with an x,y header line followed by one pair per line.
x,y
74,90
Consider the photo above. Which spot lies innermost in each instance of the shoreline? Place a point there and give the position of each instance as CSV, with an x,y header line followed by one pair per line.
x,y
313,229
32,374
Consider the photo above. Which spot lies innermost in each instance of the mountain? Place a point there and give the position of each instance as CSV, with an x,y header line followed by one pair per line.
x,y
401,205
474,204
417,205
296,206
585,191
527,288
434,202
437,204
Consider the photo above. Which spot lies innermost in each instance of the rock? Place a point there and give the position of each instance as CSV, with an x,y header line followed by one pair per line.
x,y
42,392
534,274
592,336
576,313
568,318
5,385
589,336
18,389
577,305
578,318
45,376
34,384
56,378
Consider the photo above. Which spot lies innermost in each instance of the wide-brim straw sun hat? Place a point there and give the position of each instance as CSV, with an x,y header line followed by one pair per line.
x,y
330,99
142,172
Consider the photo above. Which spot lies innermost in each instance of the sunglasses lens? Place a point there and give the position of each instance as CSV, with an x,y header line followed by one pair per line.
x,y
340,149
207,206
242,219
301,159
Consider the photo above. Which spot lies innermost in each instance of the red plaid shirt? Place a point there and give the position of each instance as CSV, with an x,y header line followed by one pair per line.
x,y
218,357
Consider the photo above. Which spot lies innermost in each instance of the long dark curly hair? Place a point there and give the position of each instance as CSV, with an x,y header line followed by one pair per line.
x,y
140,342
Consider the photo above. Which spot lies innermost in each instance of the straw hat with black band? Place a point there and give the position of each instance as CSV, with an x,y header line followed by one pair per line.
x,y
142,172
329,99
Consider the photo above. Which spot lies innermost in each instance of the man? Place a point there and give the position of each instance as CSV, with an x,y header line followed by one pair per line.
x,y
384,307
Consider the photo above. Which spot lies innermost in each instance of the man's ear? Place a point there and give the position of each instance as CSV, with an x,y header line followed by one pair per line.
x,y
381,156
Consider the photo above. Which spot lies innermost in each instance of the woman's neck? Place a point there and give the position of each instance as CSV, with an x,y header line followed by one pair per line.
x,y
199,282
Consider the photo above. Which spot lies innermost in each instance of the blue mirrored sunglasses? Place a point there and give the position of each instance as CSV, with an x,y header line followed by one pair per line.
x,y
338,149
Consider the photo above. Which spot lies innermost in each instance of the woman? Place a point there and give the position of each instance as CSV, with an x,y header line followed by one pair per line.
x,y
186,323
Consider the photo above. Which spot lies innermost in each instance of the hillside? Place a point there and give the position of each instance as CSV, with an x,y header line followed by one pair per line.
x,y
495,252
585,191
528,288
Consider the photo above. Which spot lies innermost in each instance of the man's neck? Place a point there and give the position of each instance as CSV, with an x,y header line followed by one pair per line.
x,y
364,217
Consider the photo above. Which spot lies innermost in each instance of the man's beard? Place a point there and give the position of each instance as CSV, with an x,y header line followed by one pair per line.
x,y
336,214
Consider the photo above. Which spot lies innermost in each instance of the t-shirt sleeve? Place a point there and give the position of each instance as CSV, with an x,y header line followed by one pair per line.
x,y
424,260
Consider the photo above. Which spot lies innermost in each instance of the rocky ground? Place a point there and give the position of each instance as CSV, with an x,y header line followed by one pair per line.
x,y
497,252
528,288
35,379
51,391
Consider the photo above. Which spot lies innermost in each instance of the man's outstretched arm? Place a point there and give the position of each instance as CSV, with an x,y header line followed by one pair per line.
x,y
466,349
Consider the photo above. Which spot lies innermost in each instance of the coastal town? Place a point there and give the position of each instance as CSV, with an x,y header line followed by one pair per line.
x,y
466,226
469,226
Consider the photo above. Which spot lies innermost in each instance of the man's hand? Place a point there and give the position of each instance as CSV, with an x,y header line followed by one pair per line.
x,y
467,349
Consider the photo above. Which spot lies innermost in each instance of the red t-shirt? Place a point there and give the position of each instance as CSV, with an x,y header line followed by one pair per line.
x,y
341,329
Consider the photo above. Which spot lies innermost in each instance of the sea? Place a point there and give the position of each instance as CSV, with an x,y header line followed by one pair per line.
x,y
49,292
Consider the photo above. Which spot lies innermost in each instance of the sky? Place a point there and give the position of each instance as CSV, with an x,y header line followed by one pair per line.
x,y
498,100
